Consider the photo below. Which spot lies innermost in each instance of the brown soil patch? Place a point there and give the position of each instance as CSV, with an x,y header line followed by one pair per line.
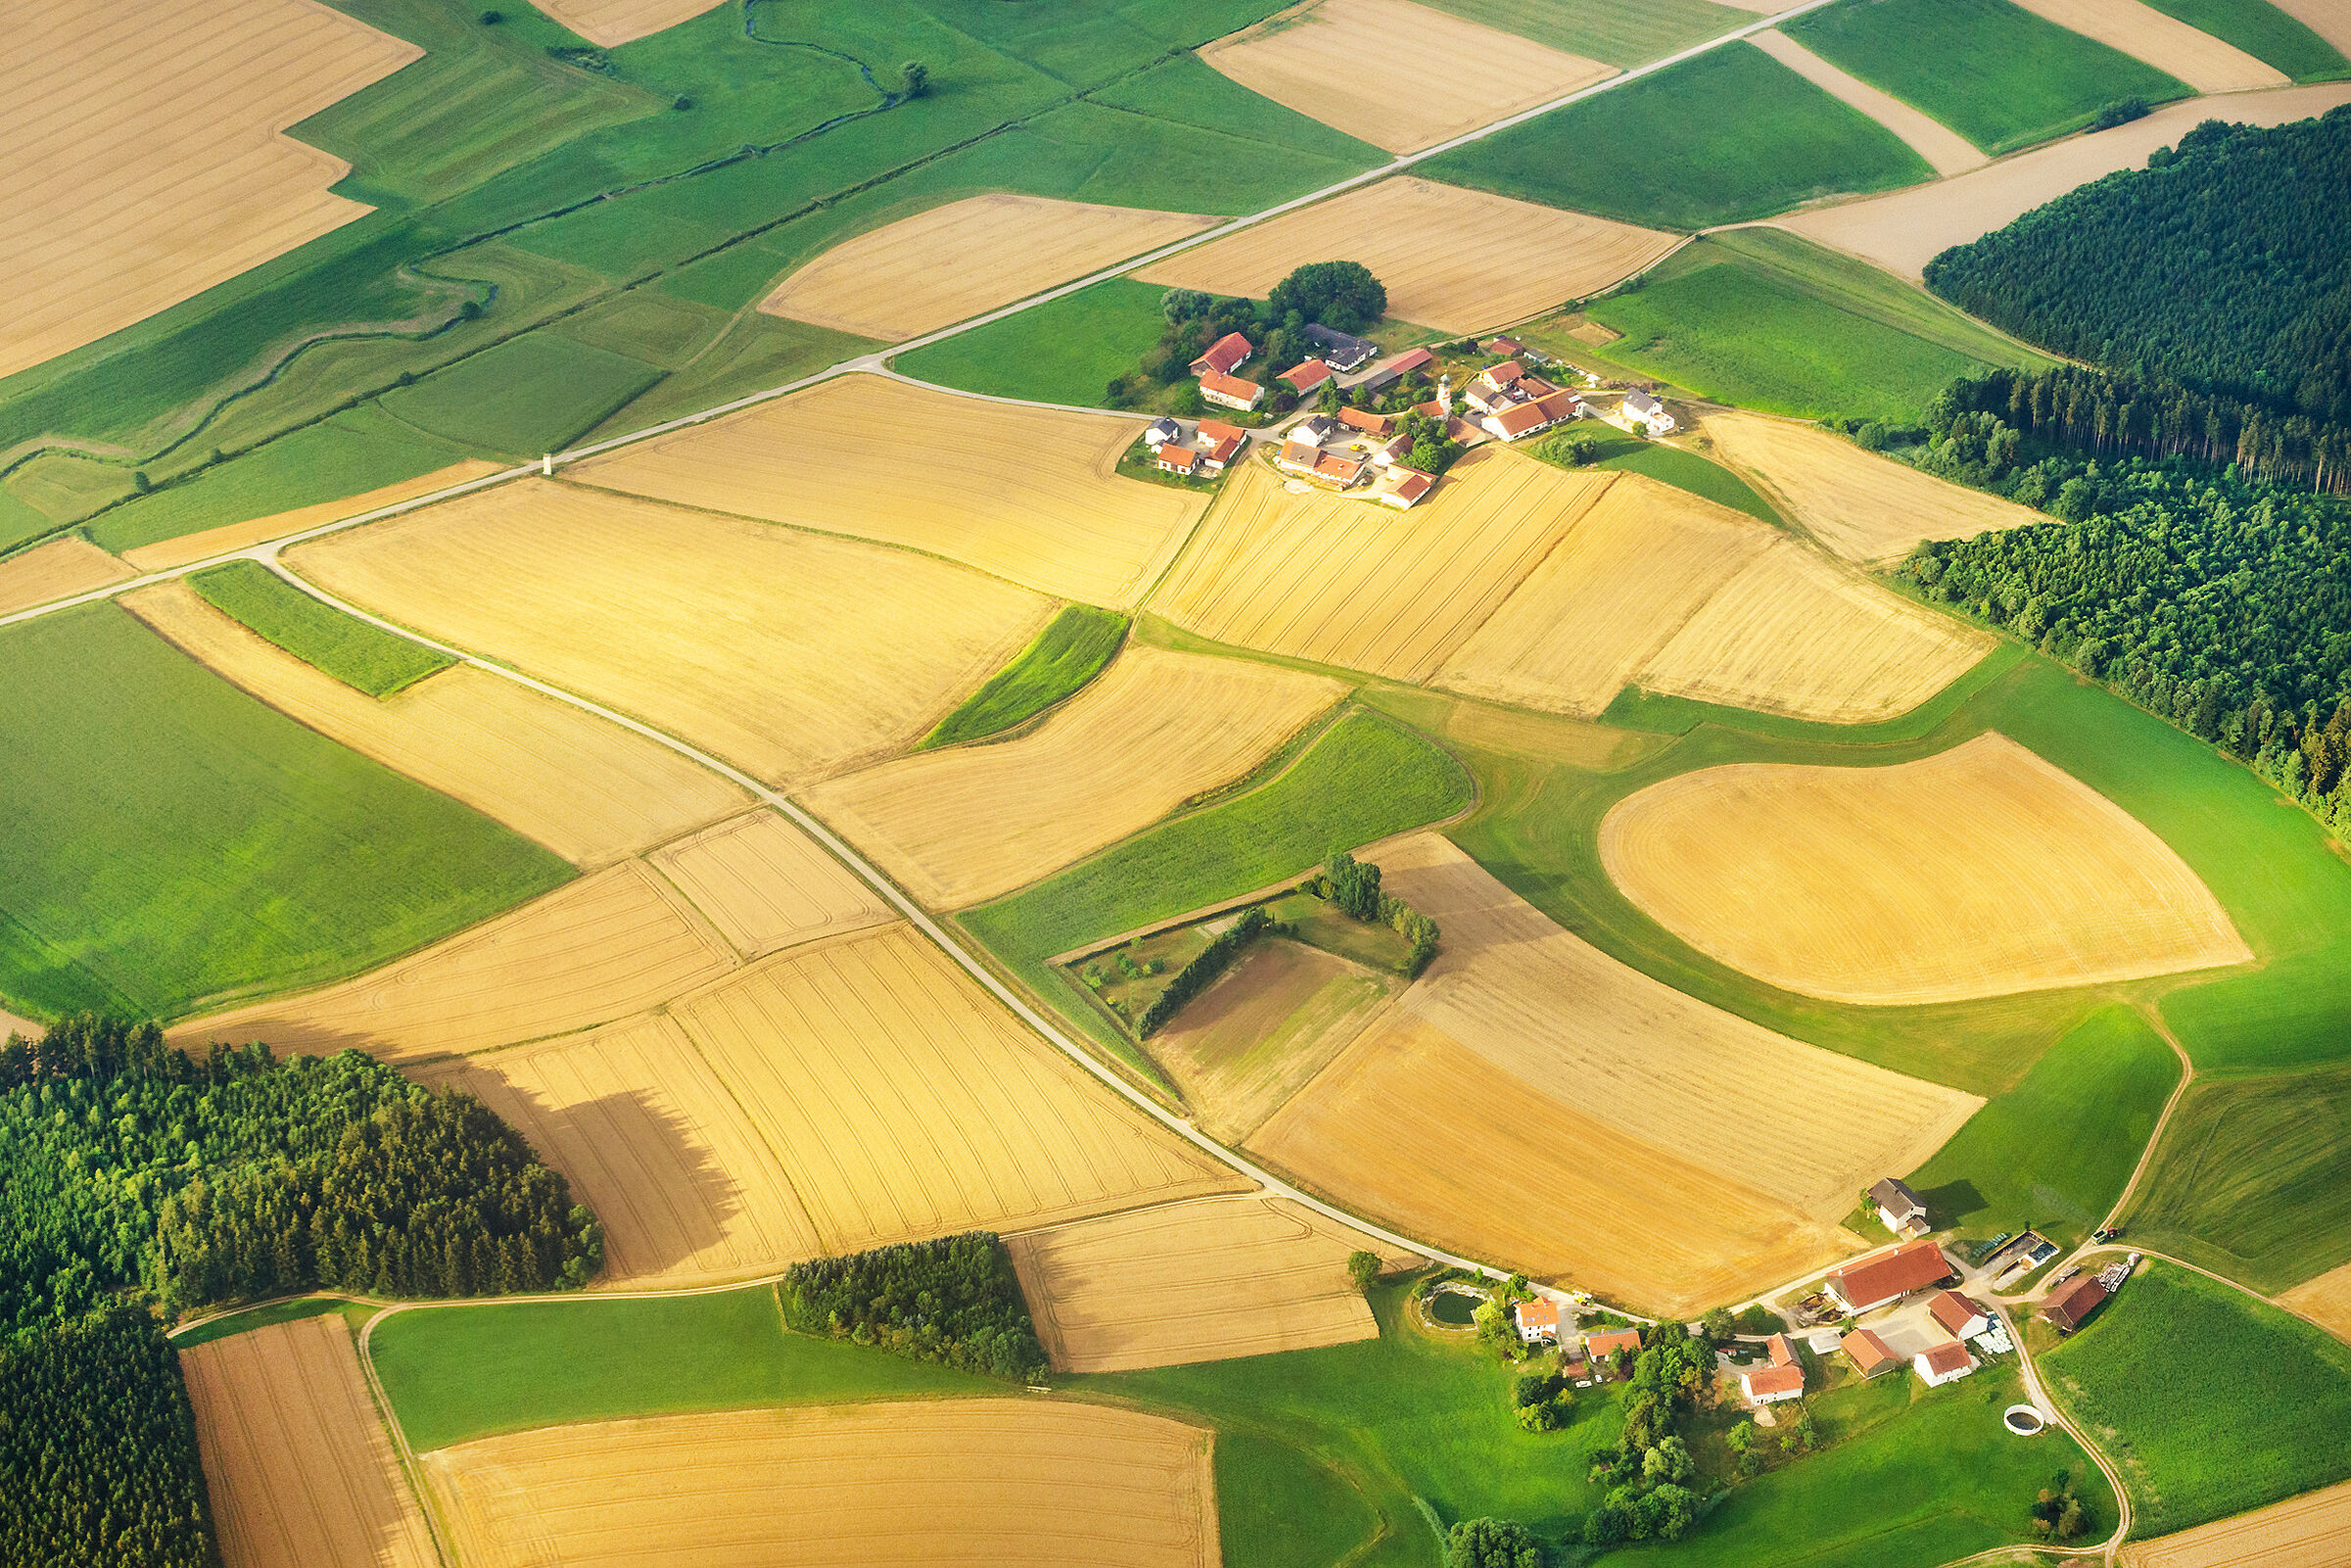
x,y
904,1102
957,261
609,23
1193,1282
2305,1532
145,157
1459,261
585,788
300,1471
1941,146
1594,333
1361,586
1028,494
1258,1035
965,824
2165,42
766,884
59,569
1906,229
605,947
1040,1483
1977,872
789,654
2326,1300
2330,20
1863,506
168,553
1339,61
687,1191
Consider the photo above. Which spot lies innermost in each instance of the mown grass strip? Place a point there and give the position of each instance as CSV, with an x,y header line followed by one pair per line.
x,y
1068,653
361,656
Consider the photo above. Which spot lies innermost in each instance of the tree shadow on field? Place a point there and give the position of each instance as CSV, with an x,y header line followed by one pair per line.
x,y
1952,1203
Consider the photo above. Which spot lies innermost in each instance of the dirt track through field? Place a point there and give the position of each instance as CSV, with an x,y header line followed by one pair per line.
x,y
1242,1047
2312,1531
1393,73
2165,42
1193,1282
1941,146
929,1482
1028,494
2325,1300
609,23
591,791
788,654
922,272
300,1471
766,884
59,569
145,161
1978,871
1455,259
962,824
165,554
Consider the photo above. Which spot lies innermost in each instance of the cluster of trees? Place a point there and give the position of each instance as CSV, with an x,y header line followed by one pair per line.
x,y
2058,1513
1211,961
2225,264
1433,451
1343,295
1493,1544
955,1301
1543,1401
1352,885
1648,1471
1752,1451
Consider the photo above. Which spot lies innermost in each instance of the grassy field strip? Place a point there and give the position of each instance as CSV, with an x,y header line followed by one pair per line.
x,y
2202,61
1949,152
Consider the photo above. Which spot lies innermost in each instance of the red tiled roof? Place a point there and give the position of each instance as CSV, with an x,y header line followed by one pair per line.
x,y
1509,346
2075,1302
1223,450
1429,409
1913,1265
1182,459
1539,1313
1364,420
1519,418
1231,386
1226,352
1313,373
1946,1357
1608,1342
1218,430
1330,465
1869,1353
1773,1380
1560,405
1782,1353
1412,360
1952,1309
1502,374
1414,485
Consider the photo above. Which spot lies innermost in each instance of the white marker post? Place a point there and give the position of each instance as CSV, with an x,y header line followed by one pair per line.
x,y
546,466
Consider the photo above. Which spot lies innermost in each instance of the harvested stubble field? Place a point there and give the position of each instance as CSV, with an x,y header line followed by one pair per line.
x,y
1949,152
59,569
1329,59
586,789
605,947
2325,1300
967,823
2170,45
904,1102
1454,260
925,1482
128,191
1193,1282
1364,587
1028,494
2312,1531
1863,506
791,655
613,23
684,1187
168,553
1828,880
922,272
766,884
300,1471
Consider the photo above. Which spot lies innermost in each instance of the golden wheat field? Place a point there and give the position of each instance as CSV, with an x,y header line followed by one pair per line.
x,y
766,884
1339,61
1047,1483
128,188
905,1103
59,569
922,272
1977,872
2165,42
300,1471
1455,259
789,654
1249,1043
1193,1282
1949,152
965,824
1027,493
605,947
2325,1300
2312,1531
610,24
686,1189
1863,506
1362,586
585,788
167,554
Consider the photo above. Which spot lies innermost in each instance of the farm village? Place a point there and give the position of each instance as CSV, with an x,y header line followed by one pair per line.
x,y
980,782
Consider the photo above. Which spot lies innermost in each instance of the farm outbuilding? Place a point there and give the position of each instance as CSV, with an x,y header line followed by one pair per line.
x,y
1912,1266
1944,1364
1899,1209
2070,1308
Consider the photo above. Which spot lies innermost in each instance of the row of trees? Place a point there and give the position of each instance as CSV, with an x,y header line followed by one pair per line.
x,y
955,1301
1649,1470
1209,962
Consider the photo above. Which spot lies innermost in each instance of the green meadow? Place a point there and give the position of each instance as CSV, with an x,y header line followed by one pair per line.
x,y
365,657
1068,652
1619,451
527,396
2264,32
1062,352
1619,33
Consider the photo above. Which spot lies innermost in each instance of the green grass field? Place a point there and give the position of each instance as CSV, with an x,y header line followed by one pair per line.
x,y
354,652
1728,136
2264,32
1068,653
180,841
1620,32
1066,351
1619,449
2219,1402
2248,1180
1994,72
528,396
356,1313
459,1372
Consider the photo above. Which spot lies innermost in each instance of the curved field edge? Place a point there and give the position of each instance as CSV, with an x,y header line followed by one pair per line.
x,y
1067,654
361,656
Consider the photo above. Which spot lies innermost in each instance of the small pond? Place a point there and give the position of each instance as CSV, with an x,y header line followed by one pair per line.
x,y
2023,1421
1453,1307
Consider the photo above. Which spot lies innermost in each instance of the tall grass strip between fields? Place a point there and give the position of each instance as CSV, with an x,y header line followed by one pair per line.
x,y
357,654
2264,32
1068,652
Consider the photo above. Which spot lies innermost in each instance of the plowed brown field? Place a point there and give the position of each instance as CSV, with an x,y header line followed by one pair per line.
x,y
1863,506
1977,872
965,824
957,261
2165,42
2312,1531
56,570
2326,1300
1193,1282
787,653
2330,20
613,23
930,1482
904,1104
300,1471
157,169
1252,1040
1338,61
605,947
634,1117
1028,494
766,884
585,788
1354,583
1455,259
168,553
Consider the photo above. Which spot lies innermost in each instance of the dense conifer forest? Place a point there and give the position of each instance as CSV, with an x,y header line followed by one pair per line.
x,y
955,1301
